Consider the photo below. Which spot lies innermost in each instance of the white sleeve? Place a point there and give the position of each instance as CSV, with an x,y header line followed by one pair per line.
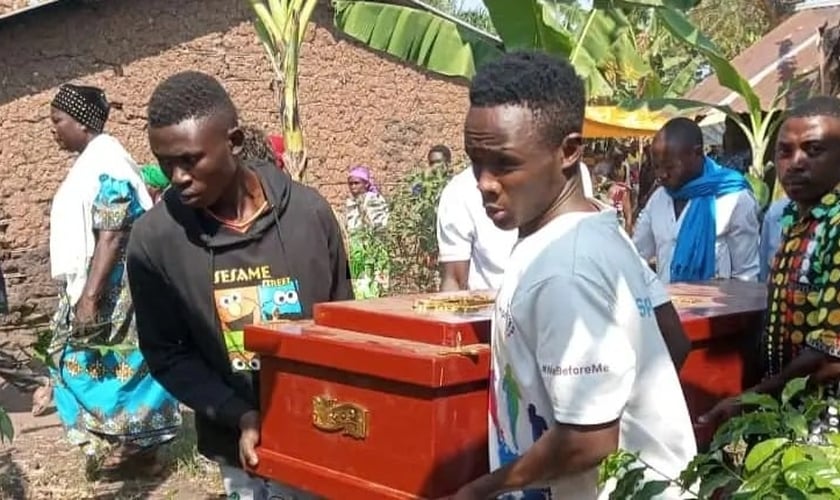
x,y
743,238
587,363
455,227
658,293
643,232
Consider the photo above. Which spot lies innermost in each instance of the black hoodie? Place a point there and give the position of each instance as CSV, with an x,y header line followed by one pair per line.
x,y
196,284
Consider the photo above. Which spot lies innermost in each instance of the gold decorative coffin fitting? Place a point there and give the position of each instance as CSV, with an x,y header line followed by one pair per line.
x,y
456,303
331,415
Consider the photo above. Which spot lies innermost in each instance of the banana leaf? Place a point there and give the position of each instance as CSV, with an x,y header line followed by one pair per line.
x,y
683,30
418,37
601,47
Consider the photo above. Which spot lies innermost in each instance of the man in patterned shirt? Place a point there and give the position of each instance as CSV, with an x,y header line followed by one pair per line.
x,y
803,317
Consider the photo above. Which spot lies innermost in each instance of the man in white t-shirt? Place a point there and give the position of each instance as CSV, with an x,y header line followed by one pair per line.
x,y
473,252
579,367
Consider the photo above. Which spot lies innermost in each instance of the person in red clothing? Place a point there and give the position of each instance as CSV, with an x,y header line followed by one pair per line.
x,y
278,147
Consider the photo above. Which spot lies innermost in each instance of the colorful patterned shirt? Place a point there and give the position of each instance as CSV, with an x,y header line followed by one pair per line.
x,y
803,301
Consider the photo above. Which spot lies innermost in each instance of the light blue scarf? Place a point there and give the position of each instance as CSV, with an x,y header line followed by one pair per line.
x,y
694,254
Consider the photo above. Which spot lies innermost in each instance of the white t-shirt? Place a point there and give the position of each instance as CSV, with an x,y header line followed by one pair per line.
x,y
465,232
736,247
575,340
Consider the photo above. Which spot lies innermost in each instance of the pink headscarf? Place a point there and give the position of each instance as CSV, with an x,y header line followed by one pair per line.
x,y
363,174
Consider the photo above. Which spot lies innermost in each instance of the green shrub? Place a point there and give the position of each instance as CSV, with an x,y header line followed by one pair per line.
x,y
763,453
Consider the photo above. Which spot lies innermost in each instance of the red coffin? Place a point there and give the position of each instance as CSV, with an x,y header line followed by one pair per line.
x,y
377,400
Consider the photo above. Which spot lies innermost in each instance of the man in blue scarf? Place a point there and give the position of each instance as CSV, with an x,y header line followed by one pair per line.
x,y
702,223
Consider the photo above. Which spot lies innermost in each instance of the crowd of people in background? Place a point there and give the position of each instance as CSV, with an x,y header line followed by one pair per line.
x,y
222,237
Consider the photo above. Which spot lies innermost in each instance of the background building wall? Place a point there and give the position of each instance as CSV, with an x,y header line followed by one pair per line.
x,y
357,106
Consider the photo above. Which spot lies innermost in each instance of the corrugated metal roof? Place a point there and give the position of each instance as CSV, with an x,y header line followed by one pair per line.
x,y
788,50
14,9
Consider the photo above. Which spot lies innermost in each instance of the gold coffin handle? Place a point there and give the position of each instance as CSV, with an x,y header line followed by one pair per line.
x,y
331,415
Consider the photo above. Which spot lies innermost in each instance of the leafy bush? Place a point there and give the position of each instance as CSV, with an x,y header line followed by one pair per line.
x,y
411,238
764,453
407,247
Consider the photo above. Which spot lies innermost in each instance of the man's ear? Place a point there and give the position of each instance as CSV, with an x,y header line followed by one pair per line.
x,y
572,149
236,138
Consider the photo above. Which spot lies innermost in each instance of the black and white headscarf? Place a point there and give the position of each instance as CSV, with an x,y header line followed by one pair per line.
x,y
86,105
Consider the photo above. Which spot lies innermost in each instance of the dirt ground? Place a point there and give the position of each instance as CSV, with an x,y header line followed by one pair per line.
x,y
39,463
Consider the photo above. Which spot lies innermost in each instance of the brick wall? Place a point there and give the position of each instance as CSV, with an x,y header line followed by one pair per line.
x,y
357,106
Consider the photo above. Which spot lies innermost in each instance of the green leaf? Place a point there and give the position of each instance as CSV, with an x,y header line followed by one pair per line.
x,y
418,37
7,431
651,489
791,493
793,456
823,474
684,79
711,483
763,401
683,30
674,104
762,452
834,439
758,485
530,24
793,388
796,423
759,190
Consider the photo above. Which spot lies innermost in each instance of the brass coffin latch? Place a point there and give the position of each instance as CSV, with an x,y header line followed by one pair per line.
x,y
331,415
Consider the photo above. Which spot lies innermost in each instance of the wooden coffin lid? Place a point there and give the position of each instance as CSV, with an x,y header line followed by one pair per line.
x,y
414,317
388,358
719,308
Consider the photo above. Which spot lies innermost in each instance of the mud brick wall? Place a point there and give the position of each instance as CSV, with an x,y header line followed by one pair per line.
x,y
357,106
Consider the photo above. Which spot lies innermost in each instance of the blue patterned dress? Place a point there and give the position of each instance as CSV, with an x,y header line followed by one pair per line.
x,y
103,390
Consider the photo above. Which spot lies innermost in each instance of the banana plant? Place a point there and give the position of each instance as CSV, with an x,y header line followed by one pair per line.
x,y
759,128
599,42
280,26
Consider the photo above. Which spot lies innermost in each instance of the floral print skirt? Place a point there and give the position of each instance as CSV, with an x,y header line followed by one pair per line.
x,y
104,393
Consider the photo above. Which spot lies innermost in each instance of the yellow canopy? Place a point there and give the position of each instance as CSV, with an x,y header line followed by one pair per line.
x,y
610,121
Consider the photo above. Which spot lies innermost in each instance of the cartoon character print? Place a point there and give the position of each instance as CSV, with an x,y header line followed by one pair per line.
x,y
238,308
281,300
240,358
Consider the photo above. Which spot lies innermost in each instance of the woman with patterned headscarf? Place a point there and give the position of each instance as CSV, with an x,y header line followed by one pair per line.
x,y
105,396
366,215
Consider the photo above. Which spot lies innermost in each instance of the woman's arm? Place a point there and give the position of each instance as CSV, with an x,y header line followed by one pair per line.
x,y
114,210
105,256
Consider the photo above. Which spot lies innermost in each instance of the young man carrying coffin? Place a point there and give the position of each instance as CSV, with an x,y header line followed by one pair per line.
x,y
231,245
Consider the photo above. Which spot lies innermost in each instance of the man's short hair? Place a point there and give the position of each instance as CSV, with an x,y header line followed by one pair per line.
x,y
821,105
440,148
682,132
546,85
190,95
